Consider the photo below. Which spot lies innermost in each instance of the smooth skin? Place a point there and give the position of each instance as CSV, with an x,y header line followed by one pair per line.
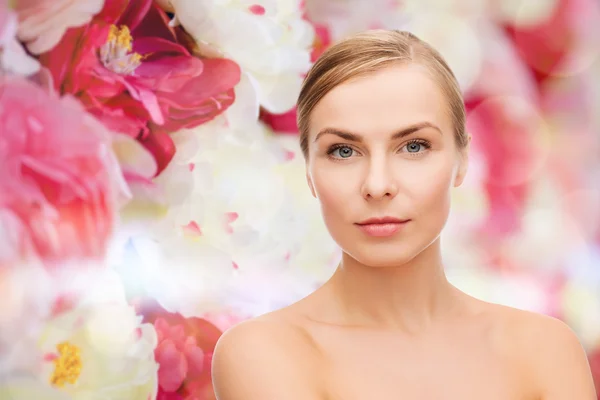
x,y
388,324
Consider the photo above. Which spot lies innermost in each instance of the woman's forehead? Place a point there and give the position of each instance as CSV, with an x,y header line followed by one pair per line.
x,y
386,99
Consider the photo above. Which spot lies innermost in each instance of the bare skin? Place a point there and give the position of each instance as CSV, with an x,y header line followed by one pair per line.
x,y
388,324
485,351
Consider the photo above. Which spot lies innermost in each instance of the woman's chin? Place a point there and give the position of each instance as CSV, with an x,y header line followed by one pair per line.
x,y
383,258
388,254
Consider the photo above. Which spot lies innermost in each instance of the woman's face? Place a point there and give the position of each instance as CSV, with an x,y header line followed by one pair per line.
x,y
383,146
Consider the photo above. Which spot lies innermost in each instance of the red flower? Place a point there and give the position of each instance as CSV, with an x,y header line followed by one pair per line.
x,y
130,70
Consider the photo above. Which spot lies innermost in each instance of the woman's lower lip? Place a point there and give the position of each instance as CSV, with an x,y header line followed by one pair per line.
x,y
382,230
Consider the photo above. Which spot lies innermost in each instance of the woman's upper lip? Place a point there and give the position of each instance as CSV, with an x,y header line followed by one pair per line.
x,y
383,220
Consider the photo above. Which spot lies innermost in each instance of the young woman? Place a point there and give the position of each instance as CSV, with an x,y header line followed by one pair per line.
x,y
382,124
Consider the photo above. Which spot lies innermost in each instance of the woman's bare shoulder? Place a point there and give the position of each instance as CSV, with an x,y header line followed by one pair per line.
x,y
532,330
269,357
547,349
269,332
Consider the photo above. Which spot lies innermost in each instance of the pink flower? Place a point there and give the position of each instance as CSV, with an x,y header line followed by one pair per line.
x,y
59,180
131,70
184,353
178,355
42,23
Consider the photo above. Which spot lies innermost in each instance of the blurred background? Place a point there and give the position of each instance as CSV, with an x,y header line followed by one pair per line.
x,y
212,221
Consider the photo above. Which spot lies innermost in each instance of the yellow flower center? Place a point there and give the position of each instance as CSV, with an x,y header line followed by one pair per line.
x,y
121,36
116,53
67,366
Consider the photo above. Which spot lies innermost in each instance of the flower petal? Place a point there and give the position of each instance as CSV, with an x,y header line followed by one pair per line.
x,y
162,148
149,46
154,24
173,366
133,158
134,13
169,74
147,98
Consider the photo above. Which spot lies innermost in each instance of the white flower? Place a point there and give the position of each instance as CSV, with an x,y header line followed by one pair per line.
x,y
225,209
28,294
268,39
44,22
13,58
182,272
216,201
100,348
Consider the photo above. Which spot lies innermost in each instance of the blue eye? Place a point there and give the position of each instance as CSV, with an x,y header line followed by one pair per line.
x,y
417,147
343,152
413,147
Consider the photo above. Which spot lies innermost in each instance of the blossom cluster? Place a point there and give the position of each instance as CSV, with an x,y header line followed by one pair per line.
x,y
104,105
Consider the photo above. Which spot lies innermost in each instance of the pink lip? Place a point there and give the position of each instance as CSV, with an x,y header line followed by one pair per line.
x,y
383,220
381,227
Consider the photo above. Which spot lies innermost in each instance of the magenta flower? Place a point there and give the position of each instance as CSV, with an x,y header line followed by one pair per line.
x,y
131,70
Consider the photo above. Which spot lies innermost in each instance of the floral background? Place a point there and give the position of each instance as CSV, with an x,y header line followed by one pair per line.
x,y
152,190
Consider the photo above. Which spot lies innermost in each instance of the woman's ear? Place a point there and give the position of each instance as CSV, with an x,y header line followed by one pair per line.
x,y
463,164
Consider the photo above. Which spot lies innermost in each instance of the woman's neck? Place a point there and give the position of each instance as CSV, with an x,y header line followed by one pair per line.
x,y
406,297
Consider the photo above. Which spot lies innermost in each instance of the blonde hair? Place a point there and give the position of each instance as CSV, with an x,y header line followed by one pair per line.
x,y
368,52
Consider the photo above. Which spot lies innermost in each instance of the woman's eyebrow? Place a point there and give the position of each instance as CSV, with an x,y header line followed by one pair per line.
x,y
355,137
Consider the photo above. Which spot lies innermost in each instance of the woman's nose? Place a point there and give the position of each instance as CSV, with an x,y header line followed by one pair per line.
x,y
379,181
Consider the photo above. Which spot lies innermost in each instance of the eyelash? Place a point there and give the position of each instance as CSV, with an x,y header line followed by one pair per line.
x,y
426,144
